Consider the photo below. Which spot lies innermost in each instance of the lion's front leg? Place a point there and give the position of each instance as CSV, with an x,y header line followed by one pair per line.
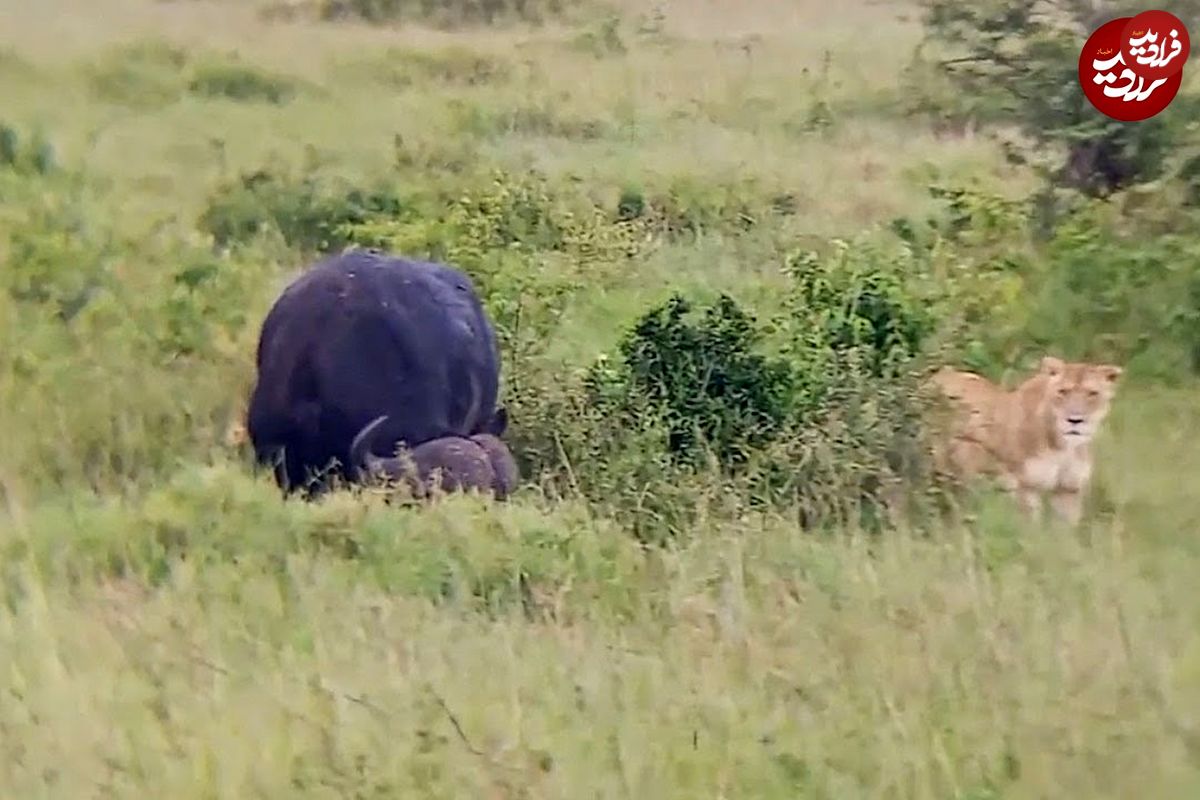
x,y
1068,505
1026,498
1030,502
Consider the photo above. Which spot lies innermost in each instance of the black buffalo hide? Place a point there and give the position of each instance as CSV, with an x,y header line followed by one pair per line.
x,y
362,335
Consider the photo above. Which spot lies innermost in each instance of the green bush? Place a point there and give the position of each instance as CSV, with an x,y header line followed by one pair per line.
x,y
241,83
402,68
445,13
1110,281
32,155
152,74
528,119
310,214
1119,295
705,378
140,74
705,407
156,327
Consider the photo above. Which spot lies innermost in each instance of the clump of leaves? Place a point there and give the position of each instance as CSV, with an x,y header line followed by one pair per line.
x,y
140,74
400,68
310,214
153,74
445,13
241,83
703,375
817,409
32,154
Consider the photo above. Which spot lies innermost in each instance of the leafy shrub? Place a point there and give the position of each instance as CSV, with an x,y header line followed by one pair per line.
x,y
850,303
308,213
153,74
528,119
153,347
241,82
439,13
34,155
140,74
705,379
816,409
1110,281
400,68
1108,294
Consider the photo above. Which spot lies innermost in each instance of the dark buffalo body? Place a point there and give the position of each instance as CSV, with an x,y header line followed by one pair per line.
x,y
362,335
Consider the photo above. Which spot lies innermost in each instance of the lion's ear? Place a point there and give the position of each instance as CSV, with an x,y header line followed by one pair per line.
x,y
1051,366
1111,372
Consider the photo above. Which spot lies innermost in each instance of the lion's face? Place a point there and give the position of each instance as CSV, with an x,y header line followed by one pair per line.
x,y
1079,396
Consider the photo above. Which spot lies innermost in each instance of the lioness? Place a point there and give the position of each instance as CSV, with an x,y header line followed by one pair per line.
x,y
1035,438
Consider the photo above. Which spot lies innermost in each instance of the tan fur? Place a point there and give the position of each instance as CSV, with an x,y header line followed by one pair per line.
x,y
1036,439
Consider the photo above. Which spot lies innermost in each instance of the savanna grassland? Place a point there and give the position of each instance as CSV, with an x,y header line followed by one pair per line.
x,y
757,591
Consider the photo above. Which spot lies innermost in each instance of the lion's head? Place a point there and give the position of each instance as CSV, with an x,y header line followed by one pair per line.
x,y
1079,394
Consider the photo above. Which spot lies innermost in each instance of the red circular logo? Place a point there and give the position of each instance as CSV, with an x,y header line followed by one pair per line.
x,y
1118,81
1155,44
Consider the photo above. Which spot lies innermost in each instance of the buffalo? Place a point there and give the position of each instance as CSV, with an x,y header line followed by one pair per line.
x,y
449,463
362,335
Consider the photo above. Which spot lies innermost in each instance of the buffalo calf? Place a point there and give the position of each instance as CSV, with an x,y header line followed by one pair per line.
x,y
504,466
449,463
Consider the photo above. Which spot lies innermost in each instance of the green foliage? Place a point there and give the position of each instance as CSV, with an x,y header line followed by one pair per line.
x,y
146,74
241,83
444,13
462,552
1119,295
141,74
704,377
527,119
692,403
1014,63
1109,282
856,302
309,213
404,68
24,155
123,410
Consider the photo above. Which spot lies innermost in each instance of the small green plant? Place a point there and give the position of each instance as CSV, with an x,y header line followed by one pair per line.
x,y
603,39
241,83
33,154
705,378
445,14
405,68
308,213
140,74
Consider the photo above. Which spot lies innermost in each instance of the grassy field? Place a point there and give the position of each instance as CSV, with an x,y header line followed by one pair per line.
x,y
171,627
